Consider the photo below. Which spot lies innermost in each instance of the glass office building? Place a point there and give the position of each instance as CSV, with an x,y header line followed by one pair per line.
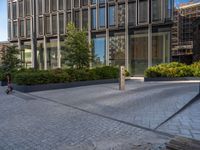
x,y
133,33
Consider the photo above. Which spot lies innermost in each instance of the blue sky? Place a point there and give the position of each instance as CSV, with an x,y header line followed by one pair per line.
x,y
3,18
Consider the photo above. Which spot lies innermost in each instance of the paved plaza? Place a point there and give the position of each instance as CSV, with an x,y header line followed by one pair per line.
x,y
99,117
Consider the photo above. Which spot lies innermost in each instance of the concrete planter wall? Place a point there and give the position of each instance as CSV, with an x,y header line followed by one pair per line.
x,y
53,86
171,79
3,83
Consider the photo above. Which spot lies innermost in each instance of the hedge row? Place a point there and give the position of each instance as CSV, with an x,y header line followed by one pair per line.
x,y
174,69
33,77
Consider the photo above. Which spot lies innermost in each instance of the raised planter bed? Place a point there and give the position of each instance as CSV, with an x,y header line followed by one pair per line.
x,y
3,83
53,86
171,79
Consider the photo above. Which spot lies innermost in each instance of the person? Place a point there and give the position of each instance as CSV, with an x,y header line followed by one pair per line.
x,y
10,88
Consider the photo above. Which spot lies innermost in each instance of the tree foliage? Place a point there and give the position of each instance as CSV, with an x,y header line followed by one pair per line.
x,y
77,48
10,58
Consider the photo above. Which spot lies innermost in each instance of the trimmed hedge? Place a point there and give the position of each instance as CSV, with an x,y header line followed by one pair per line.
x,y
34,77
174,69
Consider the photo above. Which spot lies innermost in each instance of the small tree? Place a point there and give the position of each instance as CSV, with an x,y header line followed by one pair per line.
x,y
10,58
77,48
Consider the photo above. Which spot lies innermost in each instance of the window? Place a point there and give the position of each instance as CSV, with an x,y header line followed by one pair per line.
x,y
85,18
76,3
54,24
46,6
9,30
21,8
111,16
61,4
156,10
132,13
99,51
27,7
121,15
21,28
28,28
68,19
93,17
93,1
8,10
102,17
84,2
15,29
14,7
168,9
53,5
143,11
39,7
68,4
47,24
76,19
40,26
101,1
61,23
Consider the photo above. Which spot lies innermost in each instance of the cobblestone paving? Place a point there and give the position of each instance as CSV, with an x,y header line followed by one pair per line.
x,y
144,104
187,123
28,123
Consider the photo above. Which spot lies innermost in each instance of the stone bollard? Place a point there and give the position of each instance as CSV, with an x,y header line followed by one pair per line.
x,y
122,78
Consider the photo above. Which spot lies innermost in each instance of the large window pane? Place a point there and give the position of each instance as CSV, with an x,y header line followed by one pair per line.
x,y
99,51
40,7
14,10
117,50
15,29
47,24
61,4
156,10
21,28
68,4
168,9
84,2
68,19
111,16
26,55
61,23
9,10
138,53
121,15
52,54
9,30
28,27
40,54
46,6
102,17
54,24
93,17
76,19
21,8
132,13
76,3
53,5
27,7
143,11
40,26
85,18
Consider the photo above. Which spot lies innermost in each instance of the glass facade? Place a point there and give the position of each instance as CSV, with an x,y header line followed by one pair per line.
x,y
119,29
99,51
117,50
26,54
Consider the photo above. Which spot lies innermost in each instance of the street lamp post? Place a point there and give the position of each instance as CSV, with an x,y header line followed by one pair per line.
x,y
34,36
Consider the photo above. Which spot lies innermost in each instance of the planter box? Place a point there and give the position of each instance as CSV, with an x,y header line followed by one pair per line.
x,y
172,79
53,86
3,83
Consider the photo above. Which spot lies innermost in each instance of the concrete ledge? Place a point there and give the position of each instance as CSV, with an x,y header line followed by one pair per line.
x,y
171,79
3,83
53,86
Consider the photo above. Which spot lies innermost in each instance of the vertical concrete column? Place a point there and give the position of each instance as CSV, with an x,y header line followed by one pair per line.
x,y
164,47
45,53
59,52
107,47
150,45
126,36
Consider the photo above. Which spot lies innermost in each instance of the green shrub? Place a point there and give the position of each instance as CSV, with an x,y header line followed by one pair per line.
x,y
33,77
173,69
195,67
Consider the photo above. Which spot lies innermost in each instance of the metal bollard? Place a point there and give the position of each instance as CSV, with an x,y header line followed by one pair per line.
x,y
122,78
